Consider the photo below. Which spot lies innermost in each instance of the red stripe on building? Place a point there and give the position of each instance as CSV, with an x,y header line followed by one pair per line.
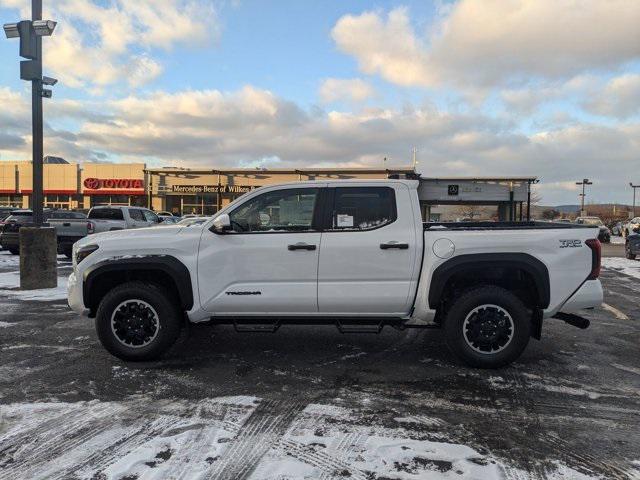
x,y
113,192
9,191
53,192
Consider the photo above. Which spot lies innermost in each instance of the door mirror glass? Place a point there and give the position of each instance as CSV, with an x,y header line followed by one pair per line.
x,y
221,224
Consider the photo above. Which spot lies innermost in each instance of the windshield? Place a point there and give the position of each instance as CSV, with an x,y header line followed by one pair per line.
x,y
591,221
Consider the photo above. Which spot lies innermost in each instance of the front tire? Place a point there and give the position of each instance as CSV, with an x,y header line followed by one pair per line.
x,y
627,252
138,321
487,327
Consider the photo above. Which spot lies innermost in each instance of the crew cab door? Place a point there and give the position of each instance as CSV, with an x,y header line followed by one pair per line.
x,y
368,254
268,263
136,218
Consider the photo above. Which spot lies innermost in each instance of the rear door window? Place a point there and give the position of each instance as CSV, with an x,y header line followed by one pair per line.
x,y
150,216
106,214
363,208
136,214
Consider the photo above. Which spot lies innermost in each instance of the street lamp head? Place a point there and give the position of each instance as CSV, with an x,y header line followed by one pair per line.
x,y
44,28
11,30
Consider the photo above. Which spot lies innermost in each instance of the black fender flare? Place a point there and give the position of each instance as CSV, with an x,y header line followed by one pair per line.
x,y
163,263
521,261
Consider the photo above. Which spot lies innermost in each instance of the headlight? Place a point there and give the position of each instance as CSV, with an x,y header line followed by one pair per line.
x,y
84,252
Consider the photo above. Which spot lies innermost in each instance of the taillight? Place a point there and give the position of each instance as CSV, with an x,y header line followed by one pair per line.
x,y
596,257
90,228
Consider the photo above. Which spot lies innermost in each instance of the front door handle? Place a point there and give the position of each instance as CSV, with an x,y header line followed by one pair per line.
x,y
301,246
399,246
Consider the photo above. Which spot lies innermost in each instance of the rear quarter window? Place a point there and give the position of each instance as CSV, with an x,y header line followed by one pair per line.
x,y
106,214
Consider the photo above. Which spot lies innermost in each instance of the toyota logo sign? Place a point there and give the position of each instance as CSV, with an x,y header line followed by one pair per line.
x,y
125,183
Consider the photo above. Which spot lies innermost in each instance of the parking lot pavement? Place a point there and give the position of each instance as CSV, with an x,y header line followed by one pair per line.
x,y
309,402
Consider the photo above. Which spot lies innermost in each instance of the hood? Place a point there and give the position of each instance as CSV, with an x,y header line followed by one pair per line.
x,y
131,234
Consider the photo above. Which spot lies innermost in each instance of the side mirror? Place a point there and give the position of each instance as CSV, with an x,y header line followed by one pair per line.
x,y
221,224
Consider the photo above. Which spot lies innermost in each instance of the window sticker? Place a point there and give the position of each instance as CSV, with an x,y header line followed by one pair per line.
x,y
343,220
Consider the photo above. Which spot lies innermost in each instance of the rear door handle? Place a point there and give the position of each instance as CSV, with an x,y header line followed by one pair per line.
x,y
399,246
301,246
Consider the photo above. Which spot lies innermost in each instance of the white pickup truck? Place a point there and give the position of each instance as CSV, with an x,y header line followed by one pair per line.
x,y
353,253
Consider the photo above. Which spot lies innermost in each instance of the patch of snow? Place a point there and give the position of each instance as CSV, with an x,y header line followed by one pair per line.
x,y
199,439
10,287
7,324
623,265
615,240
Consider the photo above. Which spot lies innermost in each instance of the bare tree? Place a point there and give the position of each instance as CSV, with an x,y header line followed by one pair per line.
x,y
470,211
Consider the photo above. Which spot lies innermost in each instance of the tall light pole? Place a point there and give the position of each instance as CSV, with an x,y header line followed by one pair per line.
x,y
584,183
38,267
30,34
634,196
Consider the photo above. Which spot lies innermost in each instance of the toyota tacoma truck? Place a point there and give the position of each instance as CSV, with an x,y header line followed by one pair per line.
x,y
351,253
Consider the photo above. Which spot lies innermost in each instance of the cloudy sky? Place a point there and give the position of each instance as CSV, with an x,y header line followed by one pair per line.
x,y
480,87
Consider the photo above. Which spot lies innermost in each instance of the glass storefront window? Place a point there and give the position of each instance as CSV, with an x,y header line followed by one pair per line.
x,y
11,200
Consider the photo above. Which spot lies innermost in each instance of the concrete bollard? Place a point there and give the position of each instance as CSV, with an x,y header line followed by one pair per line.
x,y
38,258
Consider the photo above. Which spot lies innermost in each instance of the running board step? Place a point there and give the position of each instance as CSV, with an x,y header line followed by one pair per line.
x,y
356,328
572,319
256,327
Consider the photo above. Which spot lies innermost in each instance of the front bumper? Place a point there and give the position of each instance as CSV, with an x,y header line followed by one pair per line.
x,y
74,294
9,240
633,246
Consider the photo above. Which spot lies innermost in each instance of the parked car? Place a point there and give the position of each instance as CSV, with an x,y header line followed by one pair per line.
x,y
164,213
5,212
168,219
353,253
110,218
617,229
604,234
70,227
631,225
632,244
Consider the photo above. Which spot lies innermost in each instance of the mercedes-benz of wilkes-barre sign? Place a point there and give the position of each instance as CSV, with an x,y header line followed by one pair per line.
x,y
211,188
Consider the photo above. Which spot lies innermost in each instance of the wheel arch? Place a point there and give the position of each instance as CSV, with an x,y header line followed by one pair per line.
x,y
165,270
483,265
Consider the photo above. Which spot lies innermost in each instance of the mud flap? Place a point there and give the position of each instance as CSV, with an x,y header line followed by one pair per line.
x,y
536,324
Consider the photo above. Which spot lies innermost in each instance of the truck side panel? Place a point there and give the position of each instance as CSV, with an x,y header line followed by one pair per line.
x,y
563,251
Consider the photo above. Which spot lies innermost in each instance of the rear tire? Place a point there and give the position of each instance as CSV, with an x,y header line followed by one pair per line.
x,y
487,327
14,251
138,321
627,252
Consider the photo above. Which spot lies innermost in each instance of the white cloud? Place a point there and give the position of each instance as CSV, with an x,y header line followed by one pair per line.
x,y
350,89
252,127
479,43
619,98
96,44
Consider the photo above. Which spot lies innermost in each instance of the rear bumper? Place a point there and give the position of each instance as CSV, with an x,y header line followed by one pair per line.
x,y
589,295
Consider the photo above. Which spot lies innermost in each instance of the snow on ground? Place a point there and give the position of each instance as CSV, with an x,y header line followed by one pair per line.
x,y
10,287
230,437
615,240
623,265
9,260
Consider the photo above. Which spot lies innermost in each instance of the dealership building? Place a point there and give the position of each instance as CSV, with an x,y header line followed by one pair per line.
x,y
205,191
